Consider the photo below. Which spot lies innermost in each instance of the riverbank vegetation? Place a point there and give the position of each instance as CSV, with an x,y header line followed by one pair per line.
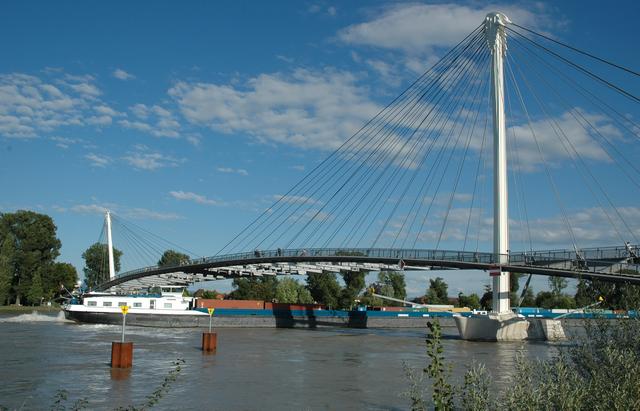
x,y
29,272
322,288
599,370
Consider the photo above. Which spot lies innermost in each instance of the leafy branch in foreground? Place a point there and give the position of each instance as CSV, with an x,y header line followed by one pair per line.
x,y
62,396
161,390
599,370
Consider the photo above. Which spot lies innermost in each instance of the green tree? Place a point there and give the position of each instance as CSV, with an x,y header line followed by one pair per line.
x,y
35,294
486,301
304,296
324,288
545,299
292,292
583,295
354,284
557,284
394,285
437,291
59,275
208,294
287,291
529,299
514,286
616,295
171,258
471,301
96,264
255,288
7,268
35,249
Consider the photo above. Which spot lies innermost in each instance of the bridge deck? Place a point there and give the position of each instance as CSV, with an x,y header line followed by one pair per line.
x,y
615,264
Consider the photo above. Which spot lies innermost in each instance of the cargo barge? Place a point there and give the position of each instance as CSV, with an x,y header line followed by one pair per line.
x,y
171,309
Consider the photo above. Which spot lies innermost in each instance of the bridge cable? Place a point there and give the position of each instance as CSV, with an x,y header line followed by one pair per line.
x,y
574,154
575,112
463,85
351,165
414,149
461,167
343,185
411,157
517,180
544,161
579,67
477,175
336,154
435,195
635,73
441,127
159,239
618,117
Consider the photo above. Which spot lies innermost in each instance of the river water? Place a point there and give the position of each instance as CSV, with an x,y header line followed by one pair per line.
x,y
253,369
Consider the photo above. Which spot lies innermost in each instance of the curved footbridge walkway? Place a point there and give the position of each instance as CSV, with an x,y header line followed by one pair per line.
x,y
614,264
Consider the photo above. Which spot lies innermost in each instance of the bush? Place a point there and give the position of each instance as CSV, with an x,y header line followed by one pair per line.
x,y
599,371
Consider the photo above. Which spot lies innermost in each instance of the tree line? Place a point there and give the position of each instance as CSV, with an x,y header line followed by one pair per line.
x,y
615,295
29,272
321,288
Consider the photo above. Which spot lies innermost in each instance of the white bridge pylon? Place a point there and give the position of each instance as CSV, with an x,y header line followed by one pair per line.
x,y
494,29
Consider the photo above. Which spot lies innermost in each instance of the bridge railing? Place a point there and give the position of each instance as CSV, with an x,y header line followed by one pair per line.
x,y
568,258
298,253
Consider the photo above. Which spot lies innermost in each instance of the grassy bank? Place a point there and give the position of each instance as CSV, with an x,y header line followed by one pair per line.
x,y
22,309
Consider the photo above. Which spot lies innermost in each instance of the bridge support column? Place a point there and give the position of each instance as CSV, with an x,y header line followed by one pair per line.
x,y
497,42
501,324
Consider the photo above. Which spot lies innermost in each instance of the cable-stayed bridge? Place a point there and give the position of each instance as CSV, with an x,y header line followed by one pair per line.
x,y
540,128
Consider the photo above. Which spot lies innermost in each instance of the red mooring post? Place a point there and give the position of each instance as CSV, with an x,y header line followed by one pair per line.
x,y
210,339
209,342
122,352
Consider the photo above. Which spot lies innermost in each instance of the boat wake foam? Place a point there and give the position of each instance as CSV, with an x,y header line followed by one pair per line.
x,y
36,317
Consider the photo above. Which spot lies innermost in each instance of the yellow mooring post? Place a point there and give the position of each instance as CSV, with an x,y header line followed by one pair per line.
x,y
122,352
210,339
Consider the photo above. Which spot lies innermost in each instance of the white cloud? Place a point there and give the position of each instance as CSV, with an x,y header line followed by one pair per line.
x,y
196,198
86,89
415,34
106,111
416,28
150,161
30,105
122,75
554,144
88,209
98,160
145,214
295,199
155,120
65,142
229,170
136,213
305,109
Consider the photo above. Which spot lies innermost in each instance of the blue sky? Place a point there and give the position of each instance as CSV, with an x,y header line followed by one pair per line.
x,y
190,118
